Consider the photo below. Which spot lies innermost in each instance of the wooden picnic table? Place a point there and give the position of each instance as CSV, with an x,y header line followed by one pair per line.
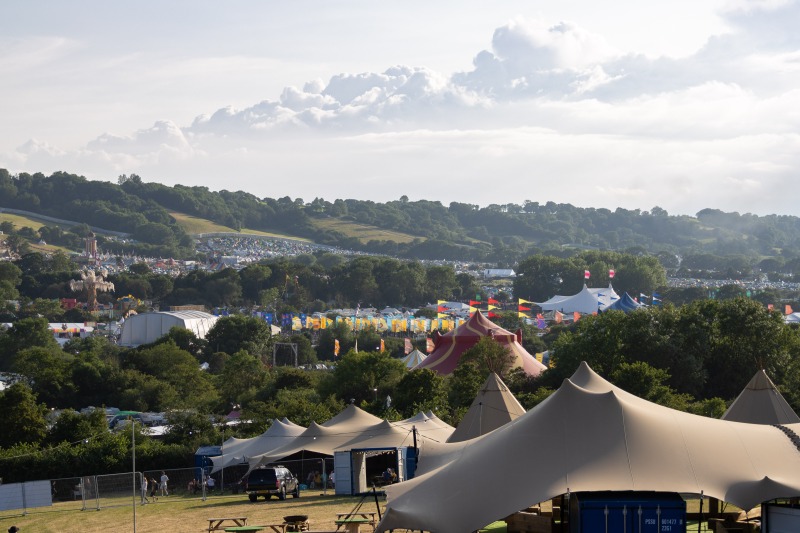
x,y
277,528
352,523
216,524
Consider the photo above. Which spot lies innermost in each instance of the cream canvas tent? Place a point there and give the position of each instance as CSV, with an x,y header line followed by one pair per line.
x,y
414,358
353,427
761,403
592,436
494,406
237,451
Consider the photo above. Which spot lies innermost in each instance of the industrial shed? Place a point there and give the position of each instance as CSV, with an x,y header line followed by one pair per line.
x,y
148,327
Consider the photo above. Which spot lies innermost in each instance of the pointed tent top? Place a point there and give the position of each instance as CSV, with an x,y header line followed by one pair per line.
x,y
761,403
493,407
352,415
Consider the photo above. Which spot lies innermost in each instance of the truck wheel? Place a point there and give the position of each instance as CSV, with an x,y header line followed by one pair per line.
x,y
253,497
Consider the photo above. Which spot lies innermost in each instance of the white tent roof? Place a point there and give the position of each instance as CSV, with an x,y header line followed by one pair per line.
x,y
237,451
148,327
494,406
761,403
594,437
587,301
414,358
793,318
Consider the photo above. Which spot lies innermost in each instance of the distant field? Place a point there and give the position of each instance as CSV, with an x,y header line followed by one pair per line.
x,y
194,225
362,232
20,221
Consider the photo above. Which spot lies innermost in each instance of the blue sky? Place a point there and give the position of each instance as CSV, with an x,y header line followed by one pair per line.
x,y
615,104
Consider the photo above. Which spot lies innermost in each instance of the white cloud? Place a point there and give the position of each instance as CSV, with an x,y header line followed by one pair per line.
x,y
550,112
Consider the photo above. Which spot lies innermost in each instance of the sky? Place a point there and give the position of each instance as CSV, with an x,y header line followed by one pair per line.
x,y
685,106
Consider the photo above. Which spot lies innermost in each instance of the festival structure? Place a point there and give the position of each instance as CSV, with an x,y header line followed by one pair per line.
x,y
449,348
594,437
494,406
761,403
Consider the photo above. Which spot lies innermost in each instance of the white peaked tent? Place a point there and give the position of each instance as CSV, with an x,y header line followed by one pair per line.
x,y
587,301
494,406
414,358
237,451
761,403
352,428
594,436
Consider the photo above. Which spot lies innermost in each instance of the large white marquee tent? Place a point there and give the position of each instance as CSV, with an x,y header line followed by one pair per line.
x,y
149,327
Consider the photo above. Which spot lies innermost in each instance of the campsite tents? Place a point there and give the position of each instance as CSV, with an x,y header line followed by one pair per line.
x,y
414,358
494,406
595,437
237,451
761,403
449,348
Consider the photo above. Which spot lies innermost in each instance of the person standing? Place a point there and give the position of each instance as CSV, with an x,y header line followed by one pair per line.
x,y
163,486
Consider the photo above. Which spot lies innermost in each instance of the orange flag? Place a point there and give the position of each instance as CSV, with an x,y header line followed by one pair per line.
x,y
788,310
576,316
335,347
558,317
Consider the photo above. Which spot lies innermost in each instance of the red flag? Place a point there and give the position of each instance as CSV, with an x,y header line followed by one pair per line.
x,y
493,315
493,301
475,303
539,315
586,274
611,274
429,345
523,308
408,347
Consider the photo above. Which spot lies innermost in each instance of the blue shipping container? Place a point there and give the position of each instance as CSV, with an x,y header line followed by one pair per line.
x,y
627,512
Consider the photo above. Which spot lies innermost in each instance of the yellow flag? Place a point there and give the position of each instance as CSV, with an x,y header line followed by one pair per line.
x,y
521,301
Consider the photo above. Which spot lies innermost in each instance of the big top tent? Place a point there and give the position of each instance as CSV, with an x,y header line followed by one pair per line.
x,y
595,437
449,348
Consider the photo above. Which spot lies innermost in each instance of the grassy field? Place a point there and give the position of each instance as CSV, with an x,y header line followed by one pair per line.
x,y
362,232
194,225
175,513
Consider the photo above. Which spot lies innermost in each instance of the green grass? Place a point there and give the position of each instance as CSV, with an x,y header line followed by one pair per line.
x,y
362,232
176,513
194,225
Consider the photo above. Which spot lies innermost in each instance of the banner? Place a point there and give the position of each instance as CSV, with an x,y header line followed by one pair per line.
x,y
586,274
429,345
407,348
611,274
383,346
335,347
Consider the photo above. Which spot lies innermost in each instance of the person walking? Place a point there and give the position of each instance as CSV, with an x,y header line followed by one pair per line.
x,y
163,486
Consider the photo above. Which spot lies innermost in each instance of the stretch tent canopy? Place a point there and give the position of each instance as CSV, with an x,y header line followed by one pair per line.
x,y
586,302
236,451
592,436
353,428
